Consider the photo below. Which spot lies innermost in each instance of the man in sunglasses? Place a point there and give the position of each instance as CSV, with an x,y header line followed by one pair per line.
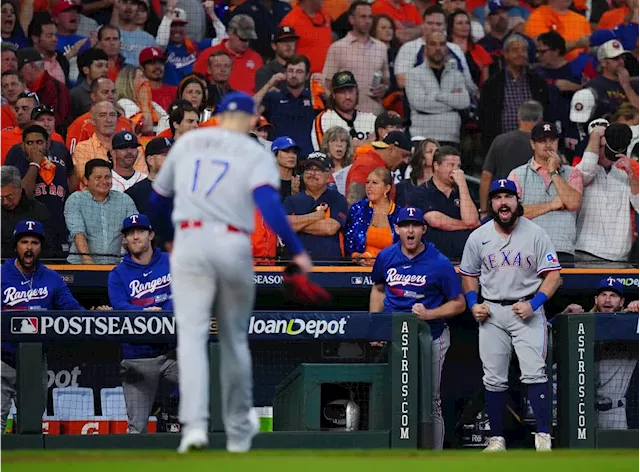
x,y
246,61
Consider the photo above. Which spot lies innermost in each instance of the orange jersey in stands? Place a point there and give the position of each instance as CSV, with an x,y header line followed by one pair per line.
x,y
612,18
245,66
405,13
82,129
8,119
315,35
570,25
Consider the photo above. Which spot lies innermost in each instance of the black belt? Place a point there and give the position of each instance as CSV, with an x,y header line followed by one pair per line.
x,y
606,404
509,302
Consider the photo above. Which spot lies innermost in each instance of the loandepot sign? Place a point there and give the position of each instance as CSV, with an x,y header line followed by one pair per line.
x,y
315,328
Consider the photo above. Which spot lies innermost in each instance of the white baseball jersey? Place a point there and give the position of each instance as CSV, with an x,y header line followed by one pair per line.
x,y
121,184
212,172
364,126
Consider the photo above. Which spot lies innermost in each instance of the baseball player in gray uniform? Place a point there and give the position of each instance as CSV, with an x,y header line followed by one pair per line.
x,y
516,266
216,177
615,360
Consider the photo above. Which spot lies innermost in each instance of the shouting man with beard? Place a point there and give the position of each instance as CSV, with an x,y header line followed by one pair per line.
x,y
517,266
142,282
28,285
411,276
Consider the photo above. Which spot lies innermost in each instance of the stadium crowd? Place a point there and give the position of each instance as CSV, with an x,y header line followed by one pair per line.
x,y
367,108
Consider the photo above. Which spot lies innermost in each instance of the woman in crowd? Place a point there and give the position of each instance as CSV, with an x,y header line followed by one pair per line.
x,y
370,226
384,29
194,91
135,101
10,29
336,144
408,191
459,32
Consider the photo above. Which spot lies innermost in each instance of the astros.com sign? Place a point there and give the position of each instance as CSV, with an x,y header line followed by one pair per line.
x,y
296,326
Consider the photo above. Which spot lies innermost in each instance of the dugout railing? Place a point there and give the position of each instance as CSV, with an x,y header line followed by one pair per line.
x,y
399,418
597,365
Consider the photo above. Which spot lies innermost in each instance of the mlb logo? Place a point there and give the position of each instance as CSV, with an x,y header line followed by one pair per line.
x,y
552,258
357,281
24,325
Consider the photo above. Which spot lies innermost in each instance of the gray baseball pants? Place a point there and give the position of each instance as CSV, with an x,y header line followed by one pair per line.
x,y
212,275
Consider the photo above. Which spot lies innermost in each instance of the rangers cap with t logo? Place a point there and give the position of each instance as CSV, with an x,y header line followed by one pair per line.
x,y
28,228
410,215
503,186
136,221
610,285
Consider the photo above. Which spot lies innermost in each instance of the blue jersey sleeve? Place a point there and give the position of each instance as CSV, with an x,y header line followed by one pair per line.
x,y
63,300
450,283
377,273
119,295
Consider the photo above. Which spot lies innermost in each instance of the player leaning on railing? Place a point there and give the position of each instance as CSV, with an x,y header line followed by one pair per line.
x,y
28,285
142,282
614,363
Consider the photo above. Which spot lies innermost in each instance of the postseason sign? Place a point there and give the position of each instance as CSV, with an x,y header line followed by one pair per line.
x,y
36,326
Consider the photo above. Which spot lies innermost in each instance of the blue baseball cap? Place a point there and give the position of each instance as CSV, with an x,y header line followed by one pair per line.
x,y
237,101
282,143
28,228
136,221
503,185
495,5
410,214
124,140
610,285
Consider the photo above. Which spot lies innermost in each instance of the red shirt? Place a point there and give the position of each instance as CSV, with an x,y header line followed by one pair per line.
x,y
54,94
164,95
405,13
245,66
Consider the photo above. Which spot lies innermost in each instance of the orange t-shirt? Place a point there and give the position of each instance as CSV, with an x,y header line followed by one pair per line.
x,y
11,137
377,239
315,35
243,72
210,122
405,13
263,241
8,117
612,18
570,25
82,129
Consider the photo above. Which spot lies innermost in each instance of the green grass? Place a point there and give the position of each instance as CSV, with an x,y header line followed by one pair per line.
x,y
320,461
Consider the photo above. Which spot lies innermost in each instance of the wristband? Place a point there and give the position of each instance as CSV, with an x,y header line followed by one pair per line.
x,y
34,164
538,300
472,298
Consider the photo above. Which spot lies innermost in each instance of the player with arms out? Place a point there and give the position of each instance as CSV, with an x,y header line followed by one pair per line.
x,y
28,285
413,277
142,282
516,265
217,176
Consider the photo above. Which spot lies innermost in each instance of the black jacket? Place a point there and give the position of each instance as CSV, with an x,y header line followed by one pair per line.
x,y
27,209
492,101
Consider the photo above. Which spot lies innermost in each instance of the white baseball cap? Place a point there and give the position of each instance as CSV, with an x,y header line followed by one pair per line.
x,y
597,122
610,50
582,104
179,16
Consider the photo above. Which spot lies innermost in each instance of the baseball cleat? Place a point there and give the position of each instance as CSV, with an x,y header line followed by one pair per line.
x,y
543,441
244,445
496,443
193,440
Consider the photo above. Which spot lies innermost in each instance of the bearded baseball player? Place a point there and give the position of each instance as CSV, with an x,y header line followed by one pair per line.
x,y
28,285
413,277
615,362
142,282
516,266
216,177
